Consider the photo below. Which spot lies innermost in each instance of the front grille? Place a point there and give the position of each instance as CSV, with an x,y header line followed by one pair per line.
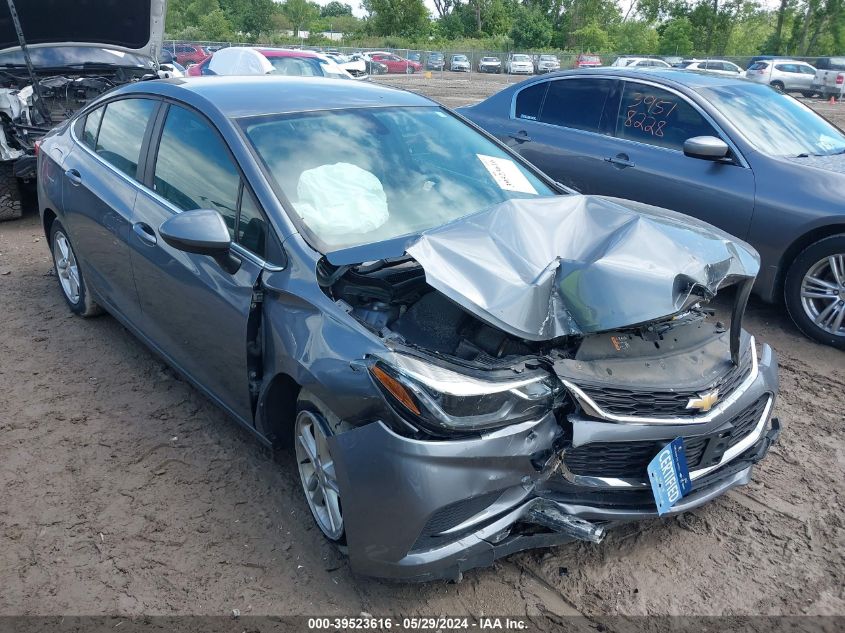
x,y
630,459
663,404
451,515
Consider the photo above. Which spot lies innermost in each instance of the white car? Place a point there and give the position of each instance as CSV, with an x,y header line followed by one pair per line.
x,y
357,67
520,65
639,62
715,66
785,75
547,64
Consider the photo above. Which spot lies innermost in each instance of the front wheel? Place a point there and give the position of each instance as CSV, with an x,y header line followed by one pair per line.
x,y
778,85
814,291
69,274
317,469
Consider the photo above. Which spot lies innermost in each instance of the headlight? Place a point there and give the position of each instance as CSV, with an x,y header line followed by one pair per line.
x,y
443,400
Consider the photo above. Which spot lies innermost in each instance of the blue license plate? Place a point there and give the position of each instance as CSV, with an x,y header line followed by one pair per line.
x,y
669,475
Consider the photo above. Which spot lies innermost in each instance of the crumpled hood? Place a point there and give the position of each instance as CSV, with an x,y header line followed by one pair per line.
x,y
542,268
133,26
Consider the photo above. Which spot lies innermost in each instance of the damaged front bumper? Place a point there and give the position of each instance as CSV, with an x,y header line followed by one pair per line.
x,y
422,510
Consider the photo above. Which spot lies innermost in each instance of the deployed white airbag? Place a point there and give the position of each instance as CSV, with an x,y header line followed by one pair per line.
x,y
336,200
239,60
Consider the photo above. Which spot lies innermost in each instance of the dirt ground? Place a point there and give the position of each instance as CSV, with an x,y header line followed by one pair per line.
x,y
124,491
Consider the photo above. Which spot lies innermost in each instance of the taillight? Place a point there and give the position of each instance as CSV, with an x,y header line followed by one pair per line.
x,y
840,79
37,147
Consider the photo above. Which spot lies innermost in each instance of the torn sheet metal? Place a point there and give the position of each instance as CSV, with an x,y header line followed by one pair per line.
x,y
542,268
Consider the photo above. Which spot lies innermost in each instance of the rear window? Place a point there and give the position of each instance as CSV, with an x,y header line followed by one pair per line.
x,y
758,66
122,133
590,58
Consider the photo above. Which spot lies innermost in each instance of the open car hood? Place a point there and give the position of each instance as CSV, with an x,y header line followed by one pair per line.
x,y
547,267
132,26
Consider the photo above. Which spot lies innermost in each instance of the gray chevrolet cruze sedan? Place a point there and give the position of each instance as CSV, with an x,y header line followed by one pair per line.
x,y
468,359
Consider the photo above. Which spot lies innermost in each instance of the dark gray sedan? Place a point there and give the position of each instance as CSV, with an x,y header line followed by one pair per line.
x,y
742,156
355,271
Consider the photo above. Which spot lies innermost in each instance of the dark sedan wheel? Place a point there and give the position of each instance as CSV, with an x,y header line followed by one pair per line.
x,y
69,273
808,94
317,471
815,291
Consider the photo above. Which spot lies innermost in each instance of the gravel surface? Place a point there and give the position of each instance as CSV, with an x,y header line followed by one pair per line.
x,y
124,491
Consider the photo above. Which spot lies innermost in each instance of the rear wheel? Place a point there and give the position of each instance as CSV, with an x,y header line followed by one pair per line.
x,y
778,85
69,274
11,204
815,291
317,469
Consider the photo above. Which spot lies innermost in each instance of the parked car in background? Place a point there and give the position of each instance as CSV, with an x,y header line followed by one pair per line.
x,y
715,66
489,65
519,64
188,53
587,60
415,57
672,60
459,63
786,75
830,77
357,68
396,64
435,61
372,67
754,162
762,58
547,64
71,67
247,60
354,272
639,62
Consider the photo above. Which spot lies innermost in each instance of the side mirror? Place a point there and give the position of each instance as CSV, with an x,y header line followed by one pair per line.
x,y
203,232
706,148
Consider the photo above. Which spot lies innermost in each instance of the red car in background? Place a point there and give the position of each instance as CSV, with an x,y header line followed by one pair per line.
x,y
187,53
396,64
587,60
285,61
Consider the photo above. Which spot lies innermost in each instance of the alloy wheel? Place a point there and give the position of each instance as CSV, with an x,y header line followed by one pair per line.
x,y
823,294
66,267
317,472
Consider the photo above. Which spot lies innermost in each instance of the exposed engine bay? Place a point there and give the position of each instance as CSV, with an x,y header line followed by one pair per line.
x,y
25,118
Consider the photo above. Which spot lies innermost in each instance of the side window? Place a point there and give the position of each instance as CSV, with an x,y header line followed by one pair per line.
x,y
576,103
252,226
658,117
193,169
807,70
529,100
122,133
92,127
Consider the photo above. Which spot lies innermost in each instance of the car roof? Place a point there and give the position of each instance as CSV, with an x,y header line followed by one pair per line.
x,y
285,52
244,96
690,78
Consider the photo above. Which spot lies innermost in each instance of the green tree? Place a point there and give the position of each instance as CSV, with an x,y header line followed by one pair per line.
x,y
676,38
216,27
406,18
592,38
301,14
531,28
335,9
634,36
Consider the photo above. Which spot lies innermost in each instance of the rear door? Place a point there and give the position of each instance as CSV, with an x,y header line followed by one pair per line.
x,y
99,187
561,125
193,310
644,160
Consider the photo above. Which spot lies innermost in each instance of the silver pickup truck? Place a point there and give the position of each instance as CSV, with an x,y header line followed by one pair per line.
x,y
830,77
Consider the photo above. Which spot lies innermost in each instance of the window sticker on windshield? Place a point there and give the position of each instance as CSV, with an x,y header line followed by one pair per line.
x,y
506,174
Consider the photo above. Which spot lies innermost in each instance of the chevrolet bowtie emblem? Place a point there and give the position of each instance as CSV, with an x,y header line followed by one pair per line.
x,y
705,401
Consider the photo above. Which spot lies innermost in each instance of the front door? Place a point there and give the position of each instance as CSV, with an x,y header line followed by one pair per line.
x,y
194,311
644,161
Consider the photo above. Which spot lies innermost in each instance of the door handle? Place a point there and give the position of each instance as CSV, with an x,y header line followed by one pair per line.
x,y
520,137
74,176
145,232
620,160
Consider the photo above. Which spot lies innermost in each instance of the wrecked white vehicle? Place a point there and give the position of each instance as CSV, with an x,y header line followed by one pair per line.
x,y
469,359
56,58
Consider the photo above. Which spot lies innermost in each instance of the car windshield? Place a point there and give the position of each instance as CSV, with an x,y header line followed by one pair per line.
x,y
548,58
489,59
521,58
365,175
590,58
775,123
460,58
74,56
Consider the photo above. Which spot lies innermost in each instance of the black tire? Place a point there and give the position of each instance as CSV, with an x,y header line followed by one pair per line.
x,y
84,305
809,258
809,94
778,85
11,199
